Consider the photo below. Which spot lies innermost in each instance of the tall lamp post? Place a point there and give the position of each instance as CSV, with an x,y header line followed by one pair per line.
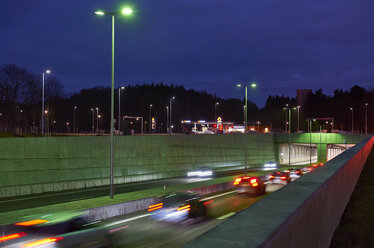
x,y
215,111
298,118
97,120
288,109
170,104
119,109
167,119
75,107
93,120
46,72
150,118
351,109
366,118
124,11
252,85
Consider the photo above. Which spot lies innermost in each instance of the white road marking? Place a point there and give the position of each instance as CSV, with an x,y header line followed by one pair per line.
x,y
215,196
127,220
226,215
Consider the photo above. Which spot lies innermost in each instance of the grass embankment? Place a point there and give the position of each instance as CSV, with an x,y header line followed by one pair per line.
x,y
10,217
357,223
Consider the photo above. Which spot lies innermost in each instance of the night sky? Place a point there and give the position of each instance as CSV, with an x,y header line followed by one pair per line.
x,y
205,45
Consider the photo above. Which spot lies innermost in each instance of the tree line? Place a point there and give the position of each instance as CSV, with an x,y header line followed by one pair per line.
x,y
21,94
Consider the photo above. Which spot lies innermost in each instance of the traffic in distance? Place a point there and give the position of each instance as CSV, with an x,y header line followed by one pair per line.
x,y
173,221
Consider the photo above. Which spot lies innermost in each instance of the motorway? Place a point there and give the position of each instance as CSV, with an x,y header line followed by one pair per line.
x,y
45,199
137,230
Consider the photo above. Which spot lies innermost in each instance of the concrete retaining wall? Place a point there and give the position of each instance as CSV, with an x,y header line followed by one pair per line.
x,y
305,213
37,165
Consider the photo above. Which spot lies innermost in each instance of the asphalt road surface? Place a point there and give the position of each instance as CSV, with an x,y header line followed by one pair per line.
x,y
138,230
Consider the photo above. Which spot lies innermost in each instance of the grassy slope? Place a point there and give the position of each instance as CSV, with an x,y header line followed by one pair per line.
x,y
357,223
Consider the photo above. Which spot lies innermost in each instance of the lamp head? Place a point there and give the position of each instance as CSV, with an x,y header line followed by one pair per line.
x,y
99,12
126,11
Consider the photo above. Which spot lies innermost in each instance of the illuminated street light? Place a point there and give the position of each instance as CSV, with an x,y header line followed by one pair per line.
x,y
170,103
125,11
215,111
298,118
93,120
351,109
75,107
119,108
46,72
97,120
150,118
252,85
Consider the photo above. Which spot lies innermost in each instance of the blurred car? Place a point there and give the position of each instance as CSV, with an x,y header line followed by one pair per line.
x,y
178,207
203,171
249,185
295,173
65,229
271,164
280,177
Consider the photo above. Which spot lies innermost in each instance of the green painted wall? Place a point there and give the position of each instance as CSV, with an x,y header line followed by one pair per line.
x,y
36,165
44,164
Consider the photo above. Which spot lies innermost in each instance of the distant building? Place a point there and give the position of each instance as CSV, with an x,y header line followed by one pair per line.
x,y
302,96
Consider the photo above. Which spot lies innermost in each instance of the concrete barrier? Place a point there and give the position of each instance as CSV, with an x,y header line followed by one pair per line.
x,y
305,213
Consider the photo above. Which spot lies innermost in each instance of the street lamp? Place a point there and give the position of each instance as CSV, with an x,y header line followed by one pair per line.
x,y
150,118
258,126
252,85
170,103
127,12
93,120
352,118
46,72
119,108
97,120
298,119
75,107
215,111
167,119
366,118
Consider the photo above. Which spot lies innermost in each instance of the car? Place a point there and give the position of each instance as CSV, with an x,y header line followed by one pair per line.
x,y
295,173
63,229
203,171
271,164
178,207
249,185
280,177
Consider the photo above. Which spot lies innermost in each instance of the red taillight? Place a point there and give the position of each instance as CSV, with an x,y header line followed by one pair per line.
x,y
283,178
155,207
43,242
185,208
271,177
254,180
31,222
321,164
245,177
208,202
12,236
254,184
237,181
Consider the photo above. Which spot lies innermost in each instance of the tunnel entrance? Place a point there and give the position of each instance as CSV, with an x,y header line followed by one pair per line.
x,y
296,153
334,150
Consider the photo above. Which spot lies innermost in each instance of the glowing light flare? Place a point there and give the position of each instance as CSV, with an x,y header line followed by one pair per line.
x,y
31,222
283,178
99,12
155,207
43,242
126,11
185,208
237,181
208,202
254,184
254,180
12,236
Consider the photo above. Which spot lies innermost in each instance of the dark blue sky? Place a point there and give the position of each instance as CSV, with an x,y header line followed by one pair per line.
x,y
205,45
